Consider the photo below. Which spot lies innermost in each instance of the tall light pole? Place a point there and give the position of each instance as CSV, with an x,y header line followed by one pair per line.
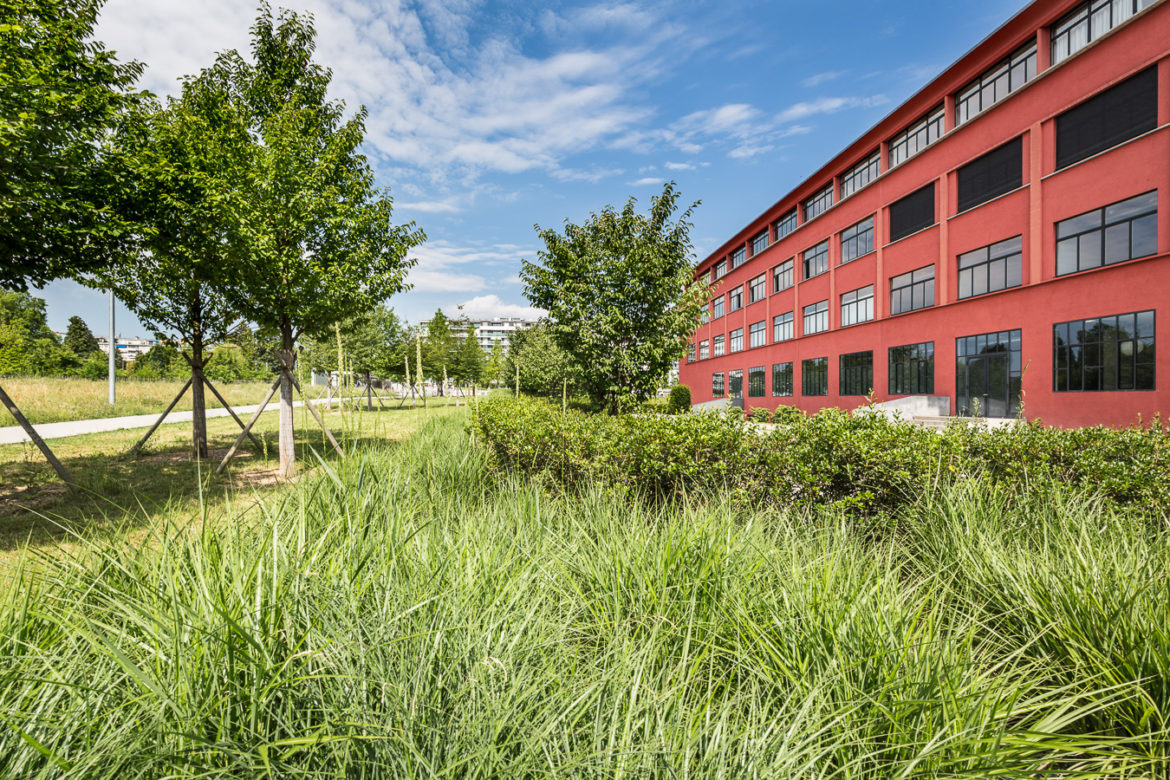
x,y
113,350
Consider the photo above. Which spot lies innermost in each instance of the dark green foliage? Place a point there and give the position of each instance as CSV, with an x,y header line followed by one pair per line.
x,y
679,400
544,366
27,345
865,464
161,361
79,339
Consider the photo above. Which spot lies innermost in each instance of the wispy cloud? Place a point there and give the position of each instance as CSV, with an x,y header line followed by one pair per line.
x,y
450,268
487,307
827,105
817,79
646,181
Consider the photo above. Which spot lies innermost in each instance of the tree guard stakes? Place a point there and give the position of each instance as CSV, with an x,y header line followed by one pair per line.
x,y
62,472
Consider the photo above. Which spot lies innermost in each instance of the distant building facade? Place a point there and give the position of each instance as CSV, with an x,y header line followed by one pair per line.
x,y
490,332
129,349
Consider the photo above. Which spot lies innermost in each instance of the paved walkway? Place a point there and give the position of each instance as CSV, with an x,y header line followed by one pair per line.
x,y
59,430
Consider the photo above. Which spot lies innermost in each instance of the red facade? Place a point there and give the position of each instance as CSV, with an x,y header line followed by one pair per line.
x,y
1090,372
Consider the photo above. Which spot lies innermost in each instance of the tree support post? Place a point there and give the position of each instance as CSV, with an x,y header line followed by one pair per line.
x,y
142,442
316,415
23,422
247,428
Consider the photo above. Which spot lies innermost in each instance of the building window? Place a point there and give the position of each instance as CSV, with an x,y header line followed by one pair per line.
x,y
717,308
1000,170
760,242
1104,353
987,374
782,327
860,175
756,380
704,350
818,204
705,315
814,376
782,276
1119,232
855,376
995,267
996,84
857,241
786,224
857,306
717,389
720,269
782,379
816,318
816,260
912,369
1088,23
914,290
690,353
912,213
735,383
917,137
737,340
717,346
735,299
758,333
738,257
757,288
1106,120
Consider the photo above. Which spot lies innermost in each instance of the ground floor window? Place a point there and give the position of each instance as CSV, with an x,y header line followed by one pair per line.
x,y
856,373
814,376
717,385
735,383
912,369
756,381
782,379
987,374
1104,353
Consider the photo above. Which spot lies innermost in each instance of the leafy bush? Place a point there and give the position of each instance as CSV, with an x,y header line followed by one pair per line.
x,y
679,400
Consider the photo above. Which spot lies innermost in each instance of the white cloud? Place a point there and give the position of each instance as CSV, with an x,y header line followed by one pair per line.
x,y
592,175
680,166
648,180
430,207
486,307
817,79
827,105
446,267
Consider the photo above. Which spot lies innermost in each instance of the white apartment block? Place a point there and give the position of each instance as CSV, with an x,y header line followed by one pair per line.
x,y
490,332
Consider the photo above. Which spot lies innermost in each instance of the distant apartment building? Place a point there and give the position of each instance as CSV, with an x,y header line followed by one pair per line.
x,y
491,332
129,349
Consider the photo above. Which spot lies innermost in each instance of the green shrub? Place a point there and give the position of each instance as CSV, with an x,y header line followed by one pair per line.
x,y
679,400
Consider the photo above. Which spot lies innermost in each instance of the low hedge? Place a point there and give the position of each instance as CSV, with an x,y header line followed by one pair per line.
x,y
865,463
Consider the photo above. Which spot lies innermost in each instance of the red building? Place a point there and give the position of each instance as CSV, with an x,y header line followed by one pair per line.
x,y
996,240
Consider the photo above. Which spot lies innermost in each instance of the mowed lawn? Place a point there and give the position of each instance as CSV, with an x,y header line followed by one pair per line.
x,y
163,484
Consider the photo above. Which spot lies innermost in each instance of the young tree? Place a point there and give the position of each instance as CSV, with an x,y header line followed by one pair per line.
x,y
439,345
469,360
544,366
620,295
494,369
79,339
316,238
27,345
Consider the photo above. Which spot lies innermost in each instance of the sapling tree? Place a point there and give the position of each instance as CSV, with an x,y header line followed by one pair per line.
x,y
621,296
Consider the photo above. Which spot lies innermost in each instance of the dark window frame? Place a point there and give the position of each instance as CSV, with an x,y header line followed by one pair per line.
x,y
855,373
758,288
757,382
737,258
718,385
717,308
735,383
760,242
814,377
784,272
704,349
917,285
819,313
815,258
818,203
857,240
917,137
782,380
861,175
734,338
1007,75
859,304
719,345
735,299
1085,16
780,325
980,270
1081,237
787,224
1092,361
758,329
912,369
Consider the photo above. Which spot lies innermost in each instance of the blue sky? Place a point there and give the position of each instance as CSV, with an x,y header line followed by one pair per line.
x,y
486,118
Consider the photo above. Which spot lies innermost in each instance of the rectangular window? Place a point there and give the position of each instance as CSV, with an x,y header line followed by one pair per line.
x,y
704,350
857,241
814,376
916,137
758,333
782,327
757,288
717,346
1089,22
860,175
717,308
988,374
1104,353
857,306
760,242
717,389
995,267
912,213
737,340
735,299
721,269
705,315
782,379
738,257
816,260
1119,232
996,84
910,291
912,369
782,276
816,318
786,224
818,204
735,383
756,380
690,353
1106,120
855,376
1000,170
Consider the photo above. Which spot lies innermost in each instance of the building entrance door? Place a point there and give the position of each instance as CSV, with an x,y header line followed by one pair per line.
x,y
987,374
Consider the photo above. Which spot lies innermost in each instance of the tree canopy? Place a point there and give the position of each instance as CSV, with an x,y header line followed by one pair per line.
x,y
544,366
79,339
621,296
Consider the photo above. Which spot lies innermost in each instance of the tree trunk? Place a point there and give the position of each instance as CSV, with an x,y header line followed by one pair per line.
x,y
288,456
198,402
369,394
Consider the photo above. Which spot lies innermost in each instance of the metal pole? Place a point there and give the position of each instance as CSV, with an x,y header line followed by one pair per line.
x,y
113,351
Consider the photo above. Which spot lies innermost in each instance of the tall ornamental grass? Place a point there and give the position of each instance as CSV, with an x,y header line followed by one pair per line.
x,y
411,615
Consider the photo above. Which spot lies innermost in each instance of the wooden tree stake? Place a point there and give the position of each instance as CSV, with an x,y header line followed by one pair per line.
x,y
142,442
62,472
247,428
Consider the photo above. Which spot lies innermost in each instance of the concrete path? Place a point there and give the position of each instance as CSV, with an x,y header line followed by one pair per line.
x,y
60,430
